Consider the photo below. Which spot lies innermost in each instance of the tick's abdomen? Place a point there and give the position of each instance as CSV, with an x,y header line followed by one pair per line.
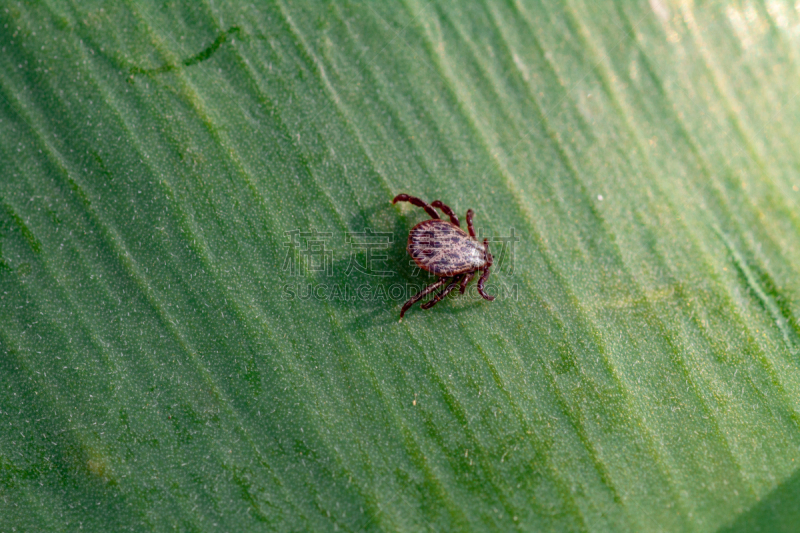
x,y
444,249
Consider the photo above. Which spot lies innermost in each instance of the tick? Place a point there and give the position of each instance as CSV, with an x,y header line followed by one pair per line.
x,y
444,249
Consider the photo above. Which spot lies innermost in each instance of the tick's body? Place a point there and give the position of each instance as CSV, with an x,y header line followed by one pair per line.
x,y
446,250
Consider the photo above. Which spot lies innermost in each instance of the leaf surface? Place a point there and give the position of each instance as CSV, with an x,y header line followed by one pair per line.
x,y
201,269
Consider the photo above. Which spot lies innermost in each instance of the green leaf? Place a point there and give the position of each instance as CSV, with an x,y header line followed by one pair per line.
x,y
194,336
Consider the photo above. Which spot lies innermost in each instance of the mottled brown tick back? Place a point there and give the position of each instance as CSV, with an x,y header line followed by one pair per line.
x,y
446,250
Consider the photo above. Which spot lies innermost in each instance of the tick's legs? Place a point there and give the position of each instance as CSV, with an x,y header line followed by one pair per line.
x,y
447,211
417,202
414,299
440,295
481,281
465,280
485,274
470,213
